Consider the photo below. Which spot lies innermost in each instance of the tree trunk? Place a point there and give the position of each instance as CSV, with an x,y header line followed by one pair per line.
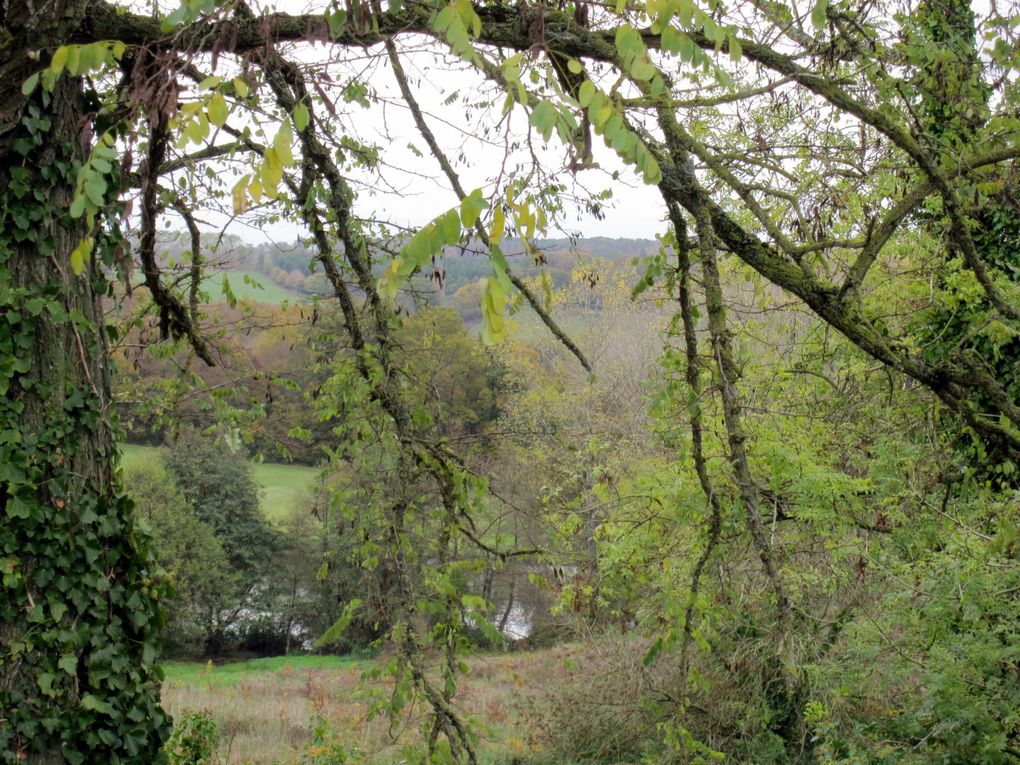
x,y
79,620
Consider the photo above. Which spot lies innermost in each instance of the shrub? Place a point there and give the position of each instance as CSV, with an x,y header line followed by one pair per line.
x,y
327,748
194,741
595,709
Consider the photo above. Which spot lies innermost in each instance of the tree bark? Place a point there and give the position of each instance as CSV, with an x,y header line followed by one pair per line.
x,y
78,616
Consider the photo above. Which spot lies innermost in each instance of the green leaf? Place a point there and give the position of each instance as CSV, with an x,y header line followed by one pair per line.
x,y
642,70
653,652
69,663
335,632
46,683
444,19
17,508
471,207
95,704
819,12
586,93
575,66
498,224
736,49
493,303
449,225
301,117
95,189
29,85
77,206
600,110
544,118
671,40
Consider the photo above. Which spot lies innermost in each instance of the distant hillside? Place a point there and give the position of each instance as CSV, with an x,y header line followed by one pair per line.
x,y
286,271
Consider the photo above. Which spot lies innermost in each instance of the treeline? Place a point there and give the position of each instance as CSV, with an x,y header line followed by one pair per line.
x,y
453,279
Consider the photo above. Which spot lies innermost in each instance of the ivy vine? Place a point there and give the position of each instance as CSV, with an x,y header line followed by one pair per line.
x,y
80,604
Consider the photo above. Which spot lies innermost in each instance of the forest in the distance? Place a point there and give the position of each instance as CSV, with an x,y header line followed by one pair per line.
x,y
447,479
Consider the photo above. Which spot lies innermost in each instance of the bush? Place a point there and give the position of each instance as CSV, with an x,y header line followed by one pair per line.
x,y
596,710
194,741
327,748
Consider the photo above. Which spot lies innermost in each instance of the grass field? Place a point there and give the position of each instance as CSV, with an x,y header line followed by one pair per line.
x,y
266,709
196,674
242,284
284,486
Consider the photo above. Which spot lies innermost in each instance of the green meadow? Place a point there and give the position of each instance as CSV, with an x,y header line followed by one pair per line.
x,y
248,286
284,487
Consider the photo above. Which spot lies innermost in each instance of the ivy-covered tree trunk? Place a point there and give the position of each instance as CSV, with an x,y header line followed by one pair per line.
x,y
79,620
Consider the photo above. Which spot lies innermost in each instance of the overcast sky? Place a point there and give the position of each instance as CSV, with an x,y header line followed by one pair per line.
x,y
410,190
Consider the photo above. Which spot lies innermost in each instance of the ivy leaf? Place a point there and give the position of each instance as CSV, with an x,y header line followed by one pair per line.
x,y
95,189
69,663
93,703
17,508
46,683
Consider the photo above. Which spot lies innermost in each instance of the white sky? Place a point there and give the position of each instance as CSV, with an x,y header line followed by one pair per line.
x,y
411,190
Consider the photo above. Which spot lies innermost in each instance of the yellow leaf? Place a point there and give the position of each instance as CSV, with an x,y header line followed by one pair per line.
x,y
218,110
272,172
59,59
493,304
78,255
241,196
498,223
282,144
240,87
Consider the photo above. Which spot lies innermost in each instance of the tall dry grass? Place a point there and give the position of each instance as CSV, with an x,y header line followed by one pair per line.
x,y
267,717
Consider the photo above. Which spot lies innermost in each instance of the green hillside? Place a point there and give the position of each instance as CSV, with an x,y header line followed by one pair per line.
x,y
249,286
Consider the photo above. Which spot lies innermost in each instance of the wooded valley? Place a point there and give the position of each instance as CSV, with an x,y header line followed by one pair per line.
x,y
449,472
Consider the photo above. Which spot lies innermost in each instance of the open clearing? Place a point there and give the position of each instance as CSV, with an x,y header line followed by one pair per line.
x,y
266,709
284,487
243,286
